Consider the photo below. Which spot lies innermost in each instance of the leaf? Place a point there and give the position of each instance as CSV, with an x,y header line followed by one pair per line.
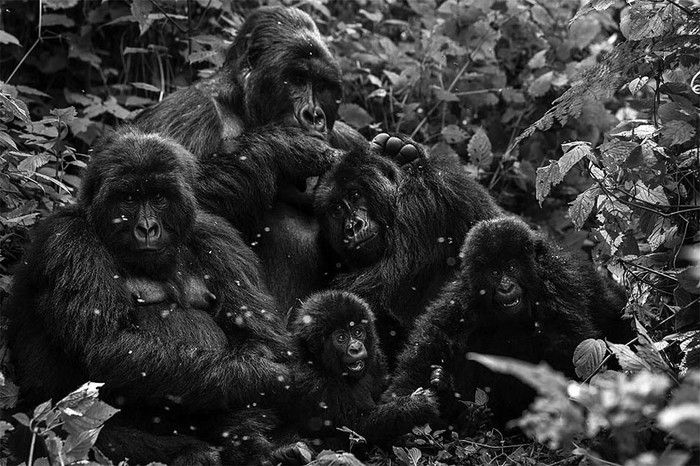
x,y
355,116
546,178
16,106
574,156
60,4
480,397
645,21
647,351
5,427
541,85
453,134
628,360
583,32
22,418
588,355
676,132
92,418
146,87
9,395
598,5
76,447
654,196
479,148
7,140
541,377
581,207
689,279
538,60
31,163
140,10
66,115
637,84
683,421
56,20
445,96
7,38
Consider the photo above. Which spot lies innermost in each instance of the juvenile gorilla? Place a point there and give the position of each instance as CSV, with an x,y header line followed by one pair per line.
x,y
341,375
516,295
279,81
396,218
137,288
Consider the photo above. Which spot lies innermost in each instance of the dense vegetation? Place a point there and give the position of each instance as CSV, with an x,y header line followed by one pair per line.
x,y
585,120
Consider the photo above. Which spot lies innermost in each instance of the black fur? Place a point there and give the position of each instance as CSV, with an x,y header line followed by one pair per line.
x,y
277,72
327,396
423,210
186,335
563,302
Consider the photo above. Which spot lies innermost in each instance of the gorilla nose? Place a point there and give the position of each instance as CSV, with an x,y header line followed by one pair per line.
x,y
357,350
353,227
147,231
312,118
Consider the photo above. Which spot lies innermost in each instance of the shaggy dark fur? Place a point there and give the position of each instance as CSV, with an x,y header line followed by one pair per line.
x,y
277,73
397,228
329,393
516,295
137,288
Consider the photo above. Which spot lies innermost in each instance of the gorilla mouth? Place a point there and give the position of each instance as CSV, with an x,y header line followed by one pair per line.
x,y
510,304
357,366
363,240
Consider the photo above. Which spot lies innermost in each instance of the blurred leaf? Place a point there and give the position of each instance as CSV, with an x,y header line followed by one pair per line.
x,y
140,10
676,132
584,31
453,134
5,427
60,4
644,21
7,38
689,279
538,60
541,377
541,85
444,96
56,20
354,115
588,355
146,87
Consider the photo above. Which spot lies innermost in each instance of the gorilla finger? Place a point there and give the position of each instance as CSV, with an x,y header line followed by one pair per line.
x,y
393,146
379,141
407,154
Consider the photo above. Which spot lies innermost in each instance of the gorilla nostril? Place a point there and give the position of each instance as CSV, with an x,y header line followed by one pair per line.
x,y
312,117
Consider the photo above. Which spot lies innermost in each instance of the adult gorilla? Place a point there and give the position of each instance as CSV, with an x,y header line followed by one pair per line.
x,y
278,73
136,288
396,218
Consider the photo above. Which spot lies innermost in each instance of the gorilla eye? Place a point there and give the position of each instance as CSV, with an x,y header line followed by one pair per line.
x,y
495,272
354,196
158,198
336,210
510,268
358,333
130,199
341,337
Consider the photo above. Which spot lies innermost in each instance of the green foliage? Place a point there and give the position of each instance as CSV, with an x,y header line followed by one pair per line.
x,y
576,117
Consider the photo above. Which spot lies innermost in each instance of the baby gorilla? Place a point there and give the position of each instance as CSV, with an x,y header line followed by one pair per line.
x,y
516,295
342,373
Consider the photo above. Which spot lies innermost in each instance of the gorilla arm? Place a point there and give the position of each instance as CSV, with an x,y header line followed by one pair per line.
x,y
86,305
241,183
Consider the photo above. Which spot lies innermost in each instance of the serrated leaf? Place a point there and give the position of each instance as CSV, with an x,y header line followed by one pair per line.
x,y
7,38
598,5
654,196
31,163
140,10
16,106
546,178
93,417
479,148
676,132
480,397
9,395
355,116
637,84
628,360
588,355
453,134
647,351
77,446
42,411
581,207
7,140
645,21
574,156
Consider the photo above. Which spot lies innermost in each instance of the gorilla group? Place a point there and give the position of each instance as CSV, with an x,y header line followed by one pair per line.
x,y
227,298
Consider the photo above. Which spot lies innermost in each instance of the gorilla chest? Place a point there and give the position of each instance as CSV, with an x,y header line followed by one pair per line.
x,y
191,328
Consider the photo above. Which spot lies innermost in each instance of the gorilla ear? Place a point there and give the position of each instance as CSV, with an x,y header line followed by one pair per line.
x,y
540,249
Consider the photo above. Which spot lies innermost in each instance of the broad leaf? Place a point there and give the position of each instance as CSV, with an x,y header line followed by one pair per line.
x,y
588,355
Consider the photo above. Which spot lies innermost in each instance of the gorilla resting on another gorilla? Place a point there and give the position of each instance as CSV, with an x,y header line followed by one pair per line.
x,y
137,288
278,73
516,295
396,217
341,374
